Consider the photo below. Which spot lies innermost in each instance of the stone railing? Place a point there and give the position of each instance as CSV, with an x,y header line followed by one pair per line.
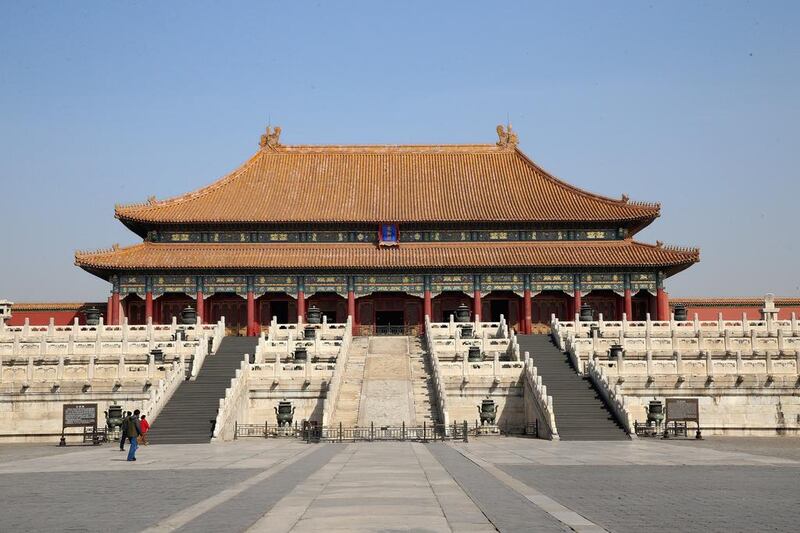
x,y
767,327
437,377
448,330
494,368
122,332
163,391
325,330
704,364
542,402
612,395
233,405
26,372
335,385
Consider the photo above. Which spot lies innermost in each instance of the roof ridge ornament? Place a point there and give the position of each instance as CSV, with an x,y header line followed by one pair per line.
x,y
507,137
271,138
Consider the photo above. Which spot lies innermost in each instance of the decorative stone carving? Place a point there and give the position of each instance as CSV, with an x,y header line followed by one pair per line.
x,y
271,137
507,136
5,310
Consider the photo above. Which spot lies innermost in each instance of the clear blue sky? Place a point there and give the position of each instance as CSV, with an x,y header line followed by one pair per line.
x,y
693,104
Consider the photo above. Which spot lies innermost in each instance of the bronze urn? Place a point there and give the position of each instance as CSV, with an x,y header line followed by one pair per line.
x,y
188,316
487,411
285,413
655,412
474,355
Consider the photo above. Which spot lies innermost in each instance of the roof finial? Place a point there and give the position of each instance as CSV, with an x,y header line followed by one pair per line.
x,y
271,137
507,137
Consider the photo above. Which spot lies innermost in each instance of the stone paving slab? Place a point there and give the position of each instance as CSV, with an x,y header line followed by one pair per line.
x,y
506,508
679,498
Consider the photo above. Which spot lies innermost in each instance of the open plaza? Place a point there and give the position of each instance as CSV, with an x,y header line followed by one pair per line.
x,y
488,484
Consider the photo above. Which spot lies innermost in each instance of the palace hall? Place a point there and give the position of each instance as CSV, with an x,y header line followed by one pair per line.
x,y
387,234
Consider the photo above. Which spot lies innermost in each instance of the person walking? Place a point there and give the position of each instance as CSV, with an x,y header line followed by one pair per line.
x,y
145,428
123,431
134,430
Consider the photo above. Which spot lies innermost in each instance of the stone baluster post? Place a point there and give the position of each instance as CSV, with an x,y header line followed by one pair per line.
x,y
794,324
696,324
739,363
781,345
60,368
753,340
720,324
121,367
151,365
678,363
51,328
43,348
768,355
29,370
620,363
727,341
649,362
600,321
26,326
709,364
745,325
624,324
647,339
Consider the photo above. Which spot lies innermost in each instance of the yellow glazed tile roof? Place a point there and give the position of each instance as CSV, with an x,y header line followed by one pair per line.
x,y
360,184
352,256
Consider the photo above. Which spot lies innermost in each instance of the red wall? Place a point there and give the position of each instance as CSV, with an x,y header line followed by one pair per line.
x,y
735,312
40,314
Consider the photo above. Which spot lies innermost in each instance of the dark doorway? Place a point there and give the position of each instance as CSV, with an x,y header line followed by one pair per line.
x,y
279,310
389,318
497,308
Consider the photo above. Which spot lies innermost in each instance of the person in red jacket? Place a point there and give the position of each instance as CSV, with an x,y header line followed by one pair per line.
x,y
145,428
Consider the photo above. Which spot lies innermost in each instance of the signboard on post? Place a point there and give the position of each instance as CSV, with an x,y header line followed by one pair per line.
x,y
682,410
79,415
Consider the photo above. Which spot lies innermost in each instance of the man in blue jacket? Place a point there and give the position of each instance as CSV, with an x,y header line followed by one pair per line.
x,y
133,430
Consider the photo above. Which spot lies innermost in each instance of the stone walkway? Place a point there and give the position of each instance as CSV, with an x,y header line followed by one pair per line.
x,y
489,484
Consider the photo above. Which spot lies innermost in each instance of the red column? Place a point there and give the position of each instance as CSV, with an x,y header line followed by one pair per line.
x,y
148,306
351,309
662,304
115,308
476,301
201,307
251,313
628,304
576,304
109,312
427,309
526,309
301,305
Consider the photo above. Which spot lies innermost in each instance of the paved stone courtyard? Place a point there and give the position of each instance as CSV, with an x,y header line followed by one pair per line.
x,y
489,484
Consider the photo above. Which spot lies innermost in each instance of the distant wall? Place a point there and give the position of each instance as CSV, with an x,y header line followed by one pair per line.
x,y
732,308
39,314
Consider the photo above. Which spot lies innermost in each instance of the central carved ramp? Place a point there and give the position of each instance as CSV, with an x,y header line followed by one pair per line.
x,y
387,395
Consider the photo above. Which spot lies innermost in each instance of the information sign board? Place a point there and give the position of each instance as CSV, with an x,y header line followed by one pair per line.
x,y
80,415
682,410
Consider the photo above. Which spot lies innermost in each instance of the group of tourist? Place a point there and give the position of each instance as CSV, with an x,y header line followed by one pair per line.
x,y
134,428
